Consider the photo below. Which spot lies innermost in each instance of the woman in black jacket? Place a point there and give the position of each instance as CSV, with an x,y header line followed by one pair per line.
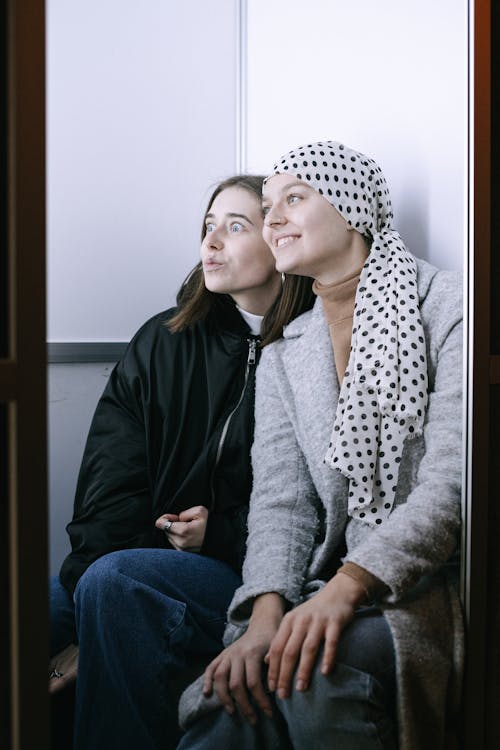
x,y
159,524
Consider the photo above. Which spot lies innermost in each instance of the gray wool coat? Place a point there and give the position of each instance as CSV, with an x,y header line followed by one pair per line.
x,y
298,510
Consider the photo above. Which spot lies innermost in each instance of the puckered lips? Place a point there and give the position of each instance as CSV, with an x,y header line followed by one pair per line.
x,y
212,265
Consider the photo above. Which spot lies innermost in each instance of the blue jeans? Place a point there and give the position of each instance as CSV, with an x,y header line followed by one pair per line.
x,y
350,709
146,620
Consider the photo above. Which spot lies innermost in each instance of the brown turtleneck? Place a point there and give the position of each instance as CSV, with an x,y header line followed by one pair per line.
x,y
338,305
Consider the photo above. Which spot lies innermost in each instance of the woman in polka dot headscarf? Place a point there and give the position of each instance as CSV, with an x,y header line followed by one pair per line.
x,y
355,511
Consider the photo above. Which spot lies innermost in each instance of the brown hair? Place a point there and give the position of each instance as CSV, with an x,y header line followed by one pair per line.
x,y
194,300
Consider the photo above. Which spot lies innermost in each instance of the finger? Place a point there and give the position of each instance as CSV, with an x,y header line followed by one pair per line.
x,y
332,636
177,531
160,522
208,677
288,663
308,656
56,684
256,686
273,656
188,536
190,514
239,692
221,678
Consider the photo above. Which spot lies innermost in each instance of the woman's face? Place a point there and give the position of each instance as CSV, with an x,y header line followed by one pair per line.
x,y
306,234
235,258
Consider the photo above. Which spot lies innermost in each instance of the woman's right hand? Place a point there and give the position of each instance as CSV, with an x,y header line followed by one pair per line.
x,y
236,674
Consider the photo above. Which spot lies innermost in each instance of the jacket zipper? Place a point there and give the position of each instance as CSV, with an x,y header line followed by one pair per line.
x,y
252,349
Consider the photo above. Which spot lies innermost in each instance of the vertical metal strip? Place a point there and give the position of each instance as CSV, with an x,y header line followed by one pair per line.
x,y
241,86
469,320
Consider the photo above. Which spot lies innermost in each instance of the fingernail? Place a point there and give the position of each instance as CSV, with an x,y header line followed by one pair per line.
x,y
282,693
230,710
272,685
300,686
268,712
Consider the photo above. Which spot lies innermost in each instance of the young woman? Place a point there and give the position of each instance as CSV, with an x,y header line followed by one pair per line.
x,y
159,526
349,585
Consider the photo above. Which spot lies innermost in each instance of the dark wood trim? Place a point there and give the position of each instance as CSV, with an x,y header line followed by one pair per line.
x,y
495,370
476,521
25,422
8,380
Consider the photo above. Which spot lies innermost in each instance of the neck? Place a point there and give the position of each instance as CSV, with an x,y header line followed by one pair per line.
x,y
339,268
257,301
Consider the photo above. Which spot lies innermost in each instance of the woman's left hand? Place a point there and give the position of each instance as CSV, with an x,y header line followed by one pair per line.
x,y
187,530
302,631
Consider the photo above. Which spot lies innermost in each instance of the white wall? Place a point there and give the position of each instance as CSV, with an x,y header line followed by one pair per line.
x,y
140,122
388,78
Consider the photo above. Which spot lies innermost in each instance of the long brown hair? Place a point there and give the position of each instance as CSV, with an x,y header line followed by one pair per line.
x,y
194,300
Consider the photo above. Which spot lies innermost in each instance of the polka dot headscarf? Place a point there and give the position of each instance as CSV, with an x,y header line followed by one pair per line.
x,y
383,397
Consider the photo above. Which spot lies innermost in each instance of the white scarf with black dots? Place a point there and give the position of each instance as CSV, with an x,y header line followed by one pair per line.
x,y
383,397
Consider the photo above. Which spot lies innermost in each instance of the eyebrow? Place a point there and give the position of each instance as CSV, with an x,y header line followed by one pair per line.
x,y
295,183
231,216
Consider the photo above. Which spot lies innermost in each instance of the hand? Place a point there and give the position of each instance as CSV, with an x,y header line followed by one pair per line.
x,y
238,669
303,629
188,528
63,669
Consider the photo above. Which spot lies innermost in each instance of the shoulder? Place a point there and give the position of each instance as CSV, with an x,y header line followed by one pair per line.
x,y
302,323
153,329
154,343
436,286
441,297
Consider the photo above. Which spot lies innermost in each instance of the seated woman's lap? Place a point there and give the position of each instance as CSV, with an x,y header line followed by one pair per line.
x,y
367,645
204,584
138,586
354,706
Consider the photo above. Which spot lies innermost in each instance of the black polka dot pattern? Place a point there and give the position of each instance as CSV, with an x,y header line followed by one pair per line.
x,y
383,397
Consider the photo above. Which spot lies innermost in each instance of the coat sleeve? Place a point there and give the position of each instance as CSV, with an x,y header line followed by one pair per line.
x,y
113,501
422,533
225,536
283,518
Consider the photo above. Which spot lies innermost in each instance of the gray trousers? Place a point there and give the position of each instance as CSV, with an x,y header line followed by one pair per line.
x,y
353,708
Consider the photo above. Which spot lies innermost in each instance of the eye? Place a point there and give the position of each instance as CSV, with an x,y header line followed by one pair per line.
x,y
236,226
209,227
265,210
292,198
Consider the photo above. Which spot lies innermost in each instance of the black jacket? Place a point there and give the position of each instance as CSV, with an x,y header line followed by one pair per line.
x,y
173,429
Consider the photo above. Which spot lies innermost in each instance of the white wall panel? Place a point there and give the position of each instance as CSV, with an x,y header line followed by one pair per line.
x,y
140,122
388,78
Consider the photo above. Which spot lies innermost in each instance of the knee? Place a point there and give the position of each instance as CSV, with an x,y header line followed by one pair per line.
x,y
104,580
332,704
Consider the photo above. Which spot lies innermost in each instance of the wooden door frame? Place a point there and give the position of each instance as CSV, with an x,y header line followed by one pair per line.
x,y
23,397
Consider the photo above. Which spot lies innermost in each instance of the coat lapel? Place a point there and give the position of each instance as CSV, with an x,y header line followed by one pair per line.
x,y
310,373
310,369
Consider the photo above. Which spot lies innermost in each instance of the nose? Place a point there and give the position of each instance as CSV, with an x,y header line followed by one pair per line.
x,y
273,217
213,240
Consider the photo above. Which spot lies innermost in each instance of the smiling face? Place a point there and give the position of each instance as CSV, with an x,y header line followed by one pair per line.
x,y
306,234
236,260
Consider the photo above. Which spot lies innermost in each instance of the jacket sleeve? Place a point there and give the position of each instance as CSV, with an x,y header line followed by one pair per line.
x,y
113,500
421,534
283,518
225,536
